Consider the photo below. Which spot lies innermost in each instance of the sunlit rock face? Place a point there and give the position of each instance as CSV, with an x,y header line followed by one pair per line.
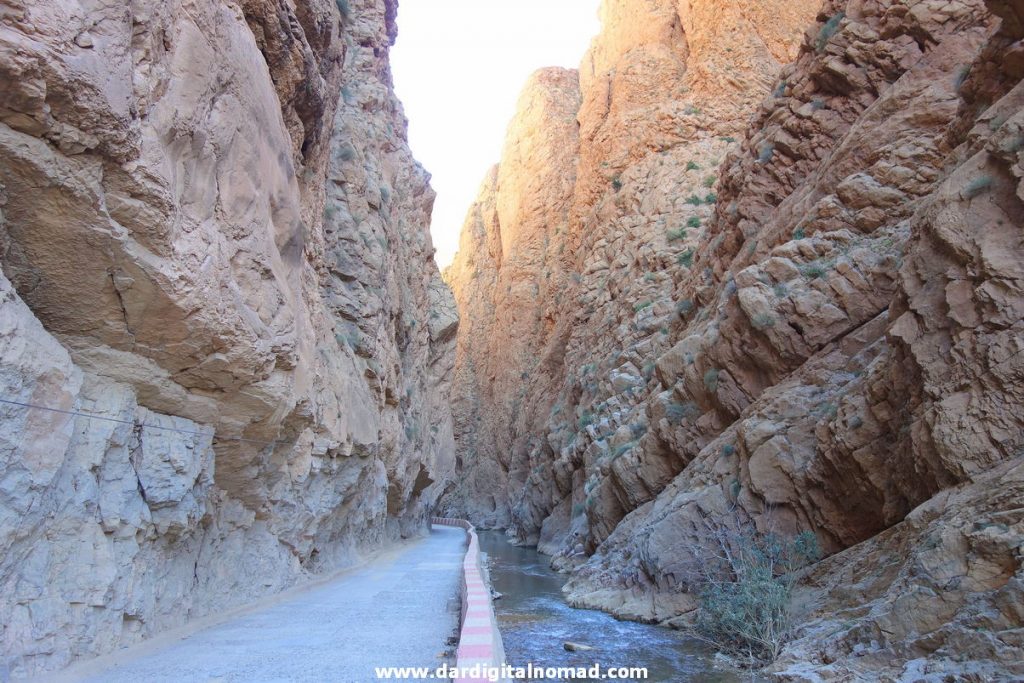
x,y
784,294
558,250
508,277
213,233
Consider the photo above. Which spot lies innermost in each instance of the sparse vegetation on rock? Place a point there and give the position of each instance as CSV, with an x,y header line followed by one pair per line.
x,y
831,345
745,586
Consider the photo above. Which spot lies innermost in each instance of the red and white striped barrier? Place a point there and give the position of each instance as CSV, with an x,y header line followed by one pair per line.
x,y
480,645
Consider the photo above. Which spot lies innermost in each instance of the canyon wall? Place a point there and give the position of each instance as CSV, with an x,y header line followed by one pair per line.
x,y
218,276
556,252
510,277
784,295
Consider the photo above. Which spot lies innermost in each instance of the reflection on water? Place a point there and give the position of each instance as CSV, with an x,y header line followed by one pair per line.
x,y
535,621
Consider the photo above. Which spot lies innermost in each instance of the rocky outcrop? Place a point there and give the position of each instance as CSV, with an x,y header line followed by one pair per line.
x,y
826,338
557,263
217,264
509,276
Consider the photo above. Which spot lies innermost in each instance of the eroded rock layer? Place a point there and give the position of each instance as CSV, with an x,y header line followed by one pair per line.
x,y
786,296
216,253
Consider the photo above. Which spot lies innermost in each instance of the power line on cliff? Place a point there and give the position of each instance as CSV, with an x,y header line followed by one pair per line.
x,y
105,418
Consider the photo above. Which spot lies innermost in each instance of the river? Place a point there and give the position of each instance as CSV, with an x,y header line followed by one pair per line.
x,y
535,622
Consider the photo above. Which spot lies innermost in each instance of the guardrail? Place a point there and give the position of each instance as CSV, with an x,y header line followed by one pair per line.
x,y
480,646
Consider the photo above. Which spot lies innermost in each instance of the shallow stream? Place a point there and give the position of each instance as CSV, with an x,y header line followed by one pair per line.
x,y
535,622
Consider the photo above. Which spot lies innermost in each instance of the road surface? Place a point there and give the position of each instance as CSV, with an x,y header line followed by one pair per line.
x,y
397,610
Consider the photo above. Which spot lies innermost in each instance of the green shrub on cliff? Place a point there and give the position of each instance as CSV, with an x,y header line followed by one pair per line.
x,y
745,590
622,449
648,370
829,29
812,271
678,412
961,76
711,380
977,186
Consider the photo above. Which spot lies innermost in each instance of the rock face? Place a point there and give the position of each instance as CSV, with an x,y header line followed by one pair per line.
x,y
557,252
820,332
509,275
216,259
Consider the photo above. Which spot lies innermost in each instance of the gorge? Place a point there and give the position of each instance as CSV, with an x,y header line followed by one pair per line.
x,y
753,269
214,233
757,266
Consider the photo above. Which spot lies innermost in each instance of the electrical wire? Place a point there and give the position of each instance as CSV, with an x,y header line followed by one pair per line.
x,y
93,416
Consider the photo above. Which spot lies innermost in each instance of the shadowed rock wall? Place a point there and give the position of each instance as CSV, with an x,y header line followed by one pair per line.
x,y
211,222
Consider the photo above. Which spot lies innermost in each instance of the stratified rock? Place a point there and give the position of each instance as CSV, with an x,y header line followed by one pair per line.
x,y
569,258
822,333
217,238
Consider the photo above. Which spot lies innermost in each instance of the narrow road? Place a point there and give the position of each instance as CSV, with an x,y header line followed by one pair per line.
x,y
397,610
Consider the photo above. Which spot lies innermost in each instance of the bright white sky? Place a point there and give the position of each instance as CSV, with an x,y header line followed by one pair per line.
x,y
459,66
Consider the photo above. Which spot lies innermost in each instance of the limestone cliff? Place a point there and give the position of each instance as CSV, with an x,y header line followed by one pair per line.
x,y
789,299
216,260
556,253
510,275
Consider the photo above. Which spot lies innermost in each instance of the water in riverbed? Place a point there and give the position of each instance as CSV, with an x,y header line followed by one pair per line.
x,y
535,621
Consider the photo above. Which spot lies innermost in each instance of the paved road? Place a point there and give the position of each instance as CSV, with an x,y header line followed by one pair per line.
x,y
397,610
